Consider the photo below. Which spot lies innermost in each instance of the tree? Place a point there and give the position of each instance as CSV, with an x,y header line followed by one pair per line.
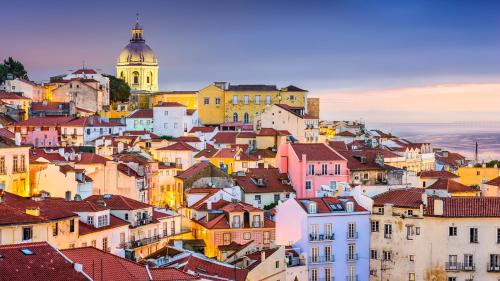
x,y
14,67
118,88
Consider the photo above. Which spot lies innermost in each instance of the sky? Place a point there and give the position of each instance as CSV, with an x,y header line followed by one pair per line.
x,y
383,61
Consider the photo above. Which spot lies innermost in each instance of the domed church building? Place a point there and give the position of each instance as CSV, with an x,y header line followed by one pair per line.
x,y
137,63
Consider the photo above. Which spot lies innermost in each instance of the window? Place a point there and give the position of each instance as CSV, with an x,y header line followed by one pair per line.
x,y
165,112
27,233
247,235
452,231
324,169
387,231
409,212
126,216
337,169
412,257
206,101
90,220
122,239
328,231
452,278
235,99
257,198
387,255
93,243
246,118
102,221
14,163
498,235
55,229
292,98
235,117
328,253
409,232
246,99
267,237
217,101
474,235
314,231
328,273
314,254
314,274
176,125
373,254
226,238
22,164
105,244
380,210
268,100
135,76
310,169
256,99
308,184
351,230
375,226
351,252
468,262
72,226
277,264
2,165
276,198
411,276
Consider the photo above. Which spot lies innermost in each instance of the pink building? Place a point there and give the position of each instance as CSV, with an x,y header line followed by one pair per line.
x,y
312,167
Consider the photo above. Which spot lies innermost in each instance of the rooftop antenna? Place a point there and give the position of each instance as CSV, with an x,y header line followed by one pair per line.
x,y
137,17
476,158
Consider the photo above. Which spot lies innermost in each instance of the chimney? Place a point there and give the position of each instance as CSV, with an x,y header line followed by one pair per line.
x,y
263,255
120,147
78,267
438,207
17,138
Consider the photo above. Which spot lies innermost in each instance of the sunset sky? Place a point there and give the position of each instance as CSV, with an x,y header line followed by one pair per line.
x,y
404,61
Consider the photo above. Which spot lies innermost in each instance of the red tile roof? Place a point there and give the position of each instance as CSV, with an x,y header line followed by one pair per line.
x,y
126,170
436,175
409,198
38,106
141,113
324,204
263,153
193,170
178,146
272,181
225,137
202,129
494,182
208,152
186,139
36,153
11,96
226,153
256,258
246,135
345,134
6,133
316,152
114,222
362,160
338,145
169,104
90,158
49,121
210,269
451,186
190,112
268,132
100,265
45,263
118,202
466,206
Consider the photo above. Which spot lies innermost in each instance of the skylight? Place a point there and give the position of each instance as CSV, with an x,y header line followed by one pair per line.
x,y
27,252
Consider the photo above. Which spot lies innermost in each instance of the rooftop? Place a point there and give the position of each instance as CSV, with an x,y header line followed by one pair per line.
x,y
316,152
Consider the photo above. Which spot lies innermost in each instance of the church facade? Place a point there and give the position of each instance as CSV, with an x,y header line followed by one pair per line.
x,y
137,63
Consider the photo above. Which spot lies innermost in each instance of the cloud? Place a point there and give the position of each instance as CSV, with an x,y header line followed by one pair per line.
x,y
435,103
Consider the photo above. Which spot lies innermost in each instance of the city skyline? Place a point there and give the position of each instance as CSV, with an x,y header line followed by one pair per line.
x,y
348,53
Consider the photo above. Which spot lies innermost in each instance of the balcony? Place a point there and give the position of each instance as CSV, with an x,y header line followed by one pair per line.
x,y
351,278
352,235
235,225
458,266
142,242
493,267
321,237
351,258
143,221
322,279
321,259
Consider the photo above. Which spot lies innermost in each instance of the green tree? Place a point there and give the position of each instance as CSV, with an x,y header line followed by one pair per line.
x,y
118,88
13,67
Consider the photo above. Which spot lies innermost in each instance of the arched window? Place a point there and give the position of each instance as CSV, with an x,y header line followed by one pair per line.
x,y
136,77
235,117
122,76
246,118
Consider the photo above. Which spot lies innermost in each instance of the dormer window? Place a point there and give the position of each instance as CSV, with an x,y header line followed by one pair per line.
x,y
312,208
349,206
102,221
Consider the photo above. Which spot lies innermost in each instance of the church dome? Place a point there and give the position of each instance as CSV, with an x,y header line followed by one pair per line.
x,y
137,51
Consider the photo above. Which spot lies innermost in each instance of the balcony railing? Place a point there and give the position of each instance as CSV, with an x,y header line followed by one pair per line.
x,y
351,257
143,221
322,279
321,259
352,235
142,242
235,225
458,266
257,223
321,237
493,267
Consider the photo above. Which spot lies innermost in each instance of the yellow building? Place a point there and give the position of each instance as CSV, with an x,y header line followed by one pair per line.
x,y
14,167
137,63
187,98
232,160
477,175
16,101
222,102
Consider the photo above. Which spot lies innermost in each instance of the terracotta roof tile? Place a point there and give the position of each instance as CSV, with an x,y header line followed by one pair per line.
x,y
494,182
114,222
316,152
193,170
45,263
169,104
410,198
118,202
451,186
271,181
202,129
466,206
141,113
225,137
437,175
324,204
210,269
186,139
179,146
11,96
